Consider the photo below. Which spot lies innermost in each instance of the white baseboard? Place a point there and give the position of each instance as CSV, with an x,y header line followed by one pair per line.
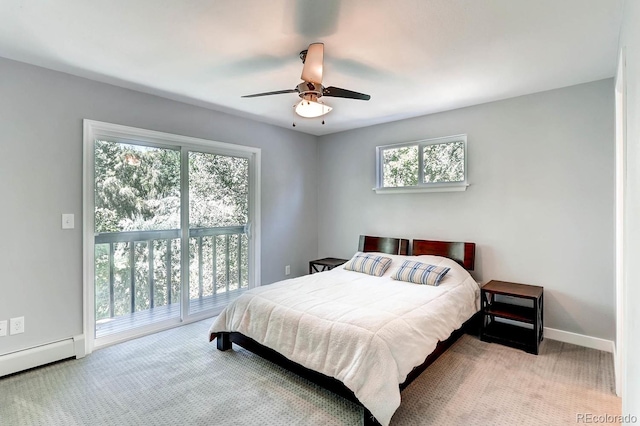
x,y
41,355
579,339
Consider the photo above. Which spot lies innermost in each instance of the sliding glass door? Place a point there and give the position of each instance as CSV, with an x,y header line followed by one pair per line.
x,y
171,232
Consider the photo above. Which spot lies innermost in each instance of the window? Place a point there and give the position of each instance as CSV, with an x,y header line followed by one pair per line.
x,y
426,165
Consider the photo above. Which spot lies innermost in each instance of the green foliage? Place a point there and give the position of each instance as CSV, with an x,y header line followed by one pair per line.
x,y
138,188
444,162
218,190
400,166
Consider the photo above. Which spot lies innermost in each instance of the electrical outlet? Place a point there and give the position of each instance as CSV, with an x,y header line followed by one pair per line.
x,y
287,270
16,325
3,328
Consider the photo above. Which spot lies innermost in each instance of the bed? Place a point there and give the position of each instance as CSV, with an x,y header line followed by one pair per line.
x,y
363,337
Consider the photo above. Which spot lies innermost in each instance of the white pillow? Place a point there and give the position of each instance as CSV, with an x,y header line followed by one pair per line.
x,y
368,263
420,273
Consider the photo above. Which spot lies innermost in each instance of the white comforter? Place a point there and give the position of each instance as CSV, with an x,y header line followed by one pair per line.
x,y
368,332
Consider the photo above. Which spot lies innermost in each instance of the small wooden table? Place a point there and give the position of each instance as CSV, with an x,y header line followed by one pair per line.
x,y
514,332
325,264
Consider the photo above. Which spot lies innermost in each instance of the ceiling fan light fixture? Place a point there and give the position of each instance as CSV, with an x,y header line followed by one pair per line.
x,y
311,109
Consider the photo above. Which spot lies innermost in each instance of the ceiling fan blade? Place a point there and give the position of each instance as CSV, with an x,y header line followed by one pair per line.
x,y
277,92
337,92
312,70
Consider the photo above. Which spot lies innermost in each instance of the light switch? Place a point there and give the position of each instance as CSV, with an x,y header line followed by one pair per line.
x,y
68,220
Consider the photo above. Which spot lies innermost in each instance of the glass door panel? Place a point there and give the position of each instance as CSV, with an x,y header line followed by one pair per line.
x,y
137,236
218,218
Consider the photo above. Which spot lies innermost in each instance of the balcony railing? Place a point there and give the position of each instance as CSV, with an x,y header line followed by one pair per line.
x,y
140,270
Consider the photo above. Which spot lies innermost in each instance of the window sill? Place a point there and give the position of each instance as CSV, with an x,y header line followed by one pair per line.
x,y
416,189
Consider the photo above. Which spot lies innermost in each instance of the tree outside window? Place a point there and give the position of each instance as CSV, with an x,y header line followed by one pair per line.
x,y
438,164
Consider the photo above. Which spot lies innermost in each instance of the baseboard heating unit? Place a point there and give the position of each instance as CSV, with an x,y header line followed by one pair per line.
x,y
14,362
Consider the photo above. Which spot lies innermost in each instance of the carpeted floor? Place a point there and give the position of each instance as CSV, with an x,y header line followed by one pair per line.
x,y
178,377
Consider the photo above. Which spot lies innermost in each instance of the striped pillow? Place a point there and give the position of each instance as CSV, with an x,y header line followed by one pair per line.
x,y
368,264
420,273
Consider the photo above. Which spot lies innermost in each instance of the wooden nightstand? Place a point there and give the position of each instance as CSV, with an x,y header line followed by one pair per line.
x,y
326,264
515,333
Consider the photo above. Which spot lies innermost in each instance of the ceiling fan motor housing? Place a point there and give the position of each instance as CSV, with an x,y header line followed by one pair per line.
x,y
309,91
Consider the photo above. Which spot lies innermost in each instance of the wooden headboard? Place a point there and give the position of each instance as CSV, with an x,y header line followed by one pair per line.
x,y
383,245
463,253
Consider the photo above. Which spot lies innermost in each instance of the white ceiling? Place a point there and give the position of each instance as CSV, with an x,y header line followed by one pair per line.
x,y
413,57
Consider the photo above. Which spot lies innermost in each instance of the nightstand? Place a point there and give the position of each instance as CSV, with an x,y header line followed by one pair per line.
x,y
524,328
326,264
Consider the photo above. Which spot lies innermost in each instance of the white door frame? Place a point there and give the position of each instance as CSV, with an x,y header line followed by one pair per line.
x,y
620,182
118,133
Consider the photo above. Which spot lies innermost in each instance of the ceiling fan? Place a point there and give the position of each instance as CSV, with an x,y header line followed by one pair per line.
x,y
311,89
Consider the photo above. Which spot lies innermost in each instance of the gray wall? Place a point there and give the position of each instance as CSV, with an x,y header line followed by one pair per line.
x,y
41,114
540,204
630,42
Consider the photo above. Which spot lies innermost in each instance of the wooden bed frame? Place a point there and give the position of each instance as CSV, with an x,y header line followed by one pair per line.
x,y
463,253
383,245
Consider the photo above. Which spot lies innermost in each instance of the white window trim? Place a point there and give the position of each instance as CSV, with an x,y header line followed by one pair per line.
x,y
94,130
421,186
